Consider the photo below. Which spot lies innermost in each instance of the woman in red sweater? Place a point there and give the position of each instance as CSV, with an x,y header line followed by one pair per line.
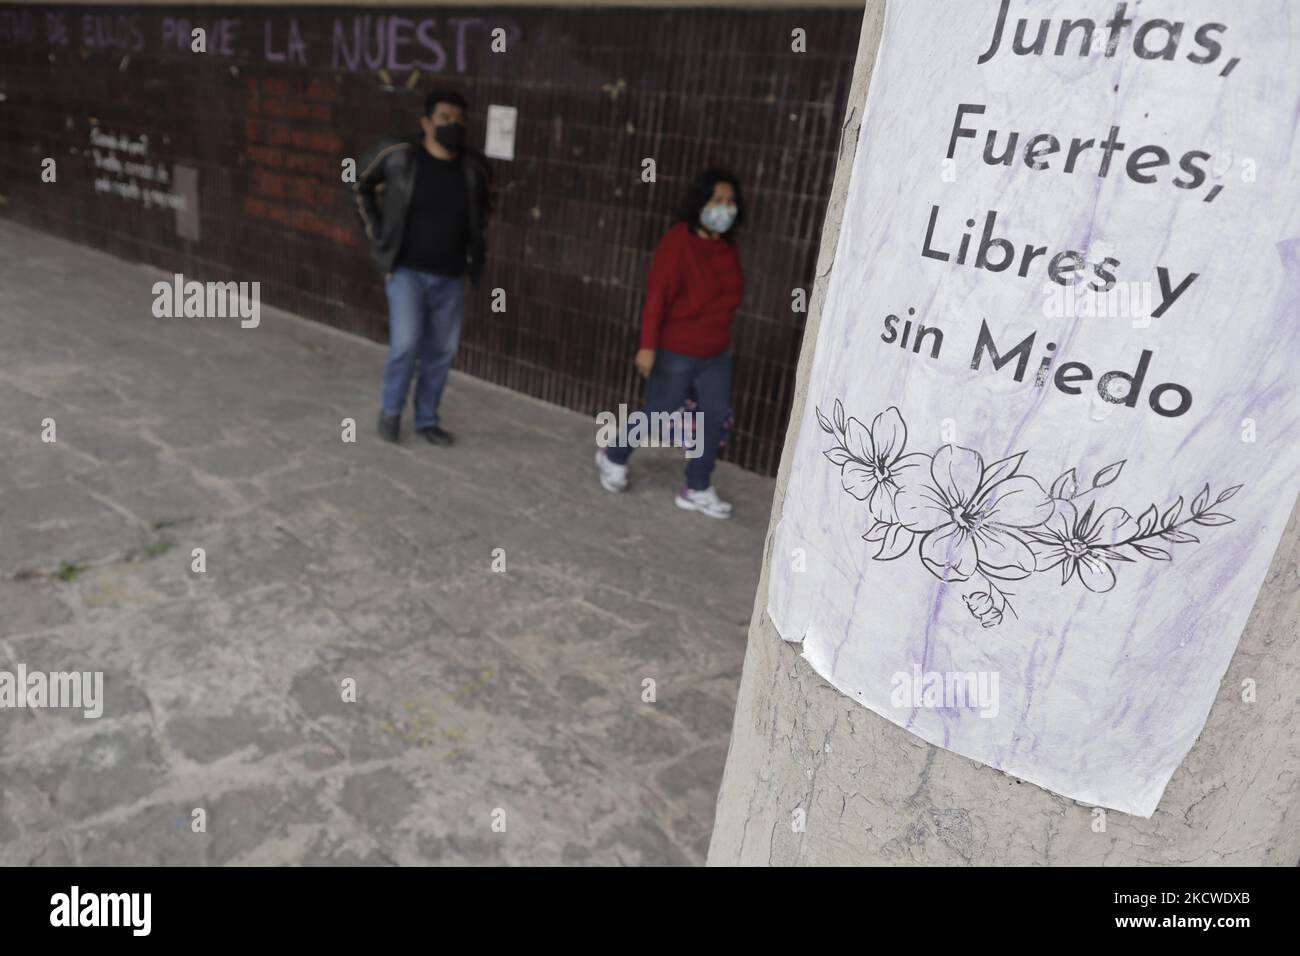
x,y
695,286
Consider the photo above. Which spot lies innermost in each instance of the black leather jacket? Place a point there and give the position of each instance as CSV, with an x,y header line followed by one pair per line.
x,y
383,194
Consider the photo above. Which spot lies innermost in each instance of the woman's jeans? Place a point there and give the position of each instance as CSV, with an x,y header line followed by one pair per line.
x,y
671,382
425,313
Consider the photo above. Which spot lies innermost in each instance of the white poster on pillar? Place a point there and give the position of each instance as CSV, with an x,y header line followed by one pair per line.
x,y
1053,427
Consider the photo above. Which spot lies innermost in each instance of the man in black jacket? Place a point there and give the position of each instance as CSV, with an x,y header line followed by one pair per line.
x,y
424,202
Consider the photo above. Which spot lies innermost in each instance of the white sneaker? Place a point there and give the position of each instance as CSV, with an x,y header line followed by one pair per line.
x,y
612,477
706,502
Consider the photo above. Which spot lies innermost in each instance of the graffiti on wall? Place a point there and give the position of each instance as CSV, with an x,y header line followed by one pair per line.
x,y
290,143
295,167
357,42
125,169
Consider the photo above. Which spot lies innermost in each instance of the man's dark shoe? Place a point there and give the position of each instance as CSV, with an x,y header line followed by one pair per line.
x,y
389,426
436,436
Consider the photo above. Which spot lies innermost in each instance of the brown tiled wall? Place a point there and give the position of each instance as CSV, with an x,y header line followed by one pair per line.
x,y
268,113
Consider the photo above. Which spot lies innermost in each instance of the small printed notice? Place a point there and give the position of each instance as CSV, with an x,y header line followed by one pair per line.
x,y
501,132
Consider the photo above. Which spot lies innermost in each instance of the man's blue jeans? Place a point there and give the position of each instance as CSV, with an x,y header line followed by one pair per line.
x,y
670,382
425,314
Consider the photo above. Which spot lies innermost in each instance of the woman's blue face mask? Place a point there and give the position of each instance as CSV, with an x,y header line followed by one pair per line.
x,y
718,218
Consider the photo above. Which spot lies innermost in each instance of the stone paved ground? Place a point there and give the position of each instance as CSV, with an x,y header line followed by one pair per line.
x,y
325,561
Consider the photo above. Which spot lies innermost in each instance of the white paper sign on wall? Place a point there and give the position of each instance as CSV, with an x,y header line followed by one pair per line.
x,y
1049,446
501,132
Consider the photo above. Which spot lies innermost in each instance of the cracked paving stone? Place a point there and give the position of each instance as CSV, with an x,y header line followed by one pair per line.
x,y
84,778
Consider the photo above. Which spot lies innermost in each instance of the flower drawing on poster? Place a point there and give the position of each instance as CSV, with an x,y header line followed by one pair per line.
x,y
989,523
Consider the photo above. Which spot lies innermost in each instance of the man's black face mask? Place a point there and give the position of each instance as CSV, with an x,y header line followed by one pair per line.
x,y
451,136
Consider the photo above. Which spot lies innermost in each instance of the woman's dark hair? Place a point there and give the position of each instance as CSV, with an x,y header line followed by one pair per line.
x,y
701,191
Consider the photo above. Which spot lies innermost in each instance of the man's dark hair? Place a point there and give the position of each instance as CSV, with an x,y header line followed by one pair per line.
x,y
701,191
443,96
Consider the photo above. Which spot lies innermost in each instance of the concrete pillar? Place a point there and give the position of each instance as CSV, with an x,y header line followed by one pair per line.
x,y
813,778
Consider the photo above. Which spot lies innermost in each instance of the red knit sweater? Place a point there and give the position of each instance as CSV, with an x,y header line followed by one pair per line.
x,y
695,285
